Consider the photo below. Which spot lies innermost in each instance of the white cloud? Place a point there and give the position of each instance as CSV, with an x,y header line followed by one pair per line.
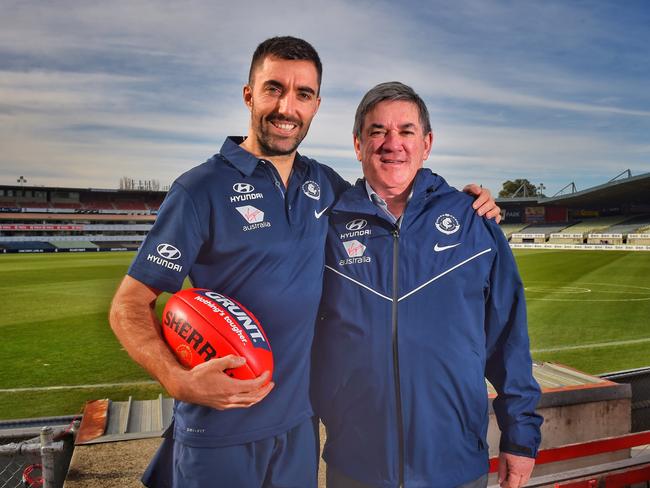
x,y
90,91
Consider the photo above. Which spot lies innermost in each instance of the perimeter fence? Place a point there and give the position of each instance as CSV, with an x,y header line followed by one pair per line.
x,y
36,462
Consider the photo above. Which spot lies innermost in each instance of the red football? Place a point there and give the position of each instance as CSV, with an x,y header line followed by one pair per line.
x,y
200,325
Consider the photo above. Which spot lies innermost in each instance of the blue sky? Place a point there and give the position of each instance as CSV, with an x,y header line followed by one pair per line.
x,y
550,91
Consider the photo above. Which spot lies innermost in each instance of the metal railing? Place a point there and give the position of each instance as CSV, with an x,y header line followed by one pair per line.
x,y
38,462
640,381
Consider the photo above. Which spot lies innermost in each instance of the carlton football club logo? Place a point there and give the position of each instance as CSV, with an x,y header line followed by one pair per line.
x,y
447,224
168,251
311,189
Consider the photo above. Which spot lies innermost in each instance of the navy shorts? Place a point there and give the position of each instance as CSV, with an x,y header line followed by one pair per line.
x,y
288,460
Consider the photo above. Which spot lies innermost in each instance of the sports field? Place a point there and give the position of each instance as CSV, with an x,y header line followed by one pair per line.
x,y
587,309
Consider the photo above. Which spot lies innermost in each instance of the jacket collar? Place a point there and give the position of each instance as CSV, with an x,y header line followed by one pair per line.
x,y
425,186
246,163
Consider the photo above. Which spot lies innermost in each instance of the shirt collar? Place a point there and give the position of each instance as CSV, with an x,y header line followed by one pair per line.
x,y
245,162
381,203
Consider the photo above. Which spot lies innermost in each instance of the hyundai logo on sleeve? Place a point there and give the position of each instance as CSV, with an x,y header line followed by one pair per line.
x,y
168,251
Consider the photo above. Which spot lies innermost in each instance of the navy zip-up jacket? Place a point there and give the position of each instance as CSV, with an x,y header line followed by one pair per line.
x,y
412,321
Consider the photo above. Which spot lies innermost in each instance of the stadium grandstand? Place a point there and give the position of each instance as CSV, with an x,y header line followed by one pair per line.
x,y
50,219
614,215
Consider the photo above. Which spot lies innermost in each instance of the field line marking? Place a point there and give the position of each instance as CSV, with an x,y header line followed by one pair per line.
x,y
76,387
590,346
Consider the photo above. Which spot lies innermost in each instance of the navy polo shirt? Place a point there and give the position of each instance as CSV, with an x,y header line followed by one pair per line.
x,y
231,226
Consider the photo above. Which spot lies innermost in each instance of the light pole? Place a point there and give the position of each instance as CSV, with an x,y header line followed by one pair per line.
x,y
21,180
540,189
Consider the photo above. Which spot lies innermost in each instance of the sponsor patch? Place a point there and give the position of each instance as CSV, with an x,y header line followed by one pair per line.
x,y
167,251
243,188
356,228
254,216
245,191
251,214
164,263
355,251
356,224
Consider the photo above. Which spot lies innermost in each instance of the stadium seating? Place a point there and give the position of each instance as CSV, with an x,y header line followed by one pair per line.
x,y
131,246
546,229
566,238
639,238
630,226
598,224
527,238
35,205
73,244
604,238
509,229
126,205
72,205
98,205
26,245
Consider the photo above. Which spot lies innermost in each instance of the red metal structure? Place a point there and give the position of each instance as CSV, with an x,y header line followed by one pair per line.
x,y
611,475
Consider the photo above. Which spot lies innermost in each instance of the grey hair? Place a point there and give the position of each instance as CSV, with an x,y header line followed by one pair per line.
x,y
389,91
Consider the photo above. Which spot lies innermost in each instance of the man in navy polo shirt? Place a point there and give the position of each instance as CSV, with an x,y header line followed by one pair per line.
x,y
249,223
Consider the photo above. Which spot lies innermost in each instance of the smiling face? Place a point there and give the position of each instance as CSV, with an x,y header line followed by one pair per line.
x,y
283,99
392,146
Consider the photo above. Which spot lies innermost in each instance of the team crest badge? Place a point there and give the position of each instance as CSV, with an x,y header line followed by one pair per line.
x,y
311,189
447,224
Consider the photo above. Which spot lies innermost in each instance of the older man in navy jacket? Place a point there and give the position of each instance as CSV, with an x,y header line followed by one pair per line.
x,y
422,301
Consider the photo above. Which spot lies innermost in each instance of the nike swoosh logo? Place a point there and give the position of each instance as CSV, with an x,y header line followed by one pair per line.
x,y
318,214
438,248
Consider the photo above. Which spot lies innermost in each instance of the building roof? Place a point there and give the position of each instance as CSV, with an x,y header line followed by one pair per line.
x,y
632,190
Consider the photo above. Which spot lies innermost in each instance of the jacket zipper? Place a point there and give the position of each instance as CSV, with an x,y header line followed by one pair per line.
x,y
398,394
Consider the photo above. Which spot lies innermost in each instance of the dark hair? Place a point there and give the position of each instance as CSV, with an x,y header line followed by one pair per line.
x,y
286,47
391,91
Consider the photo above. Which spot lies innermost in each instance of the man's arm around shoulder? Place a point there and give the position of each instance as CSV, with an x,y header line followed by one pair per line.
x,y
134,322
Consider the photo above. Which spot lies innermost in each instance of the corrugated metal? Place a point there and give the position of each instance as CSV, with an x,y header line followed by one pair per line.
x,y
135,419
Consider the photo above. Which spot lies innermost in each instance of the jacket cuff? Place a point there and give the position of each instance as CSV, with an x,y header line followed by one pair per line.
x,y
517,449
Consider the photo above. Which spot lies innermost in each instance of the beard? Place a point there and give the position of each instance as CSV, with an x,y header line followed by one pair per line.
x,y
274,145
